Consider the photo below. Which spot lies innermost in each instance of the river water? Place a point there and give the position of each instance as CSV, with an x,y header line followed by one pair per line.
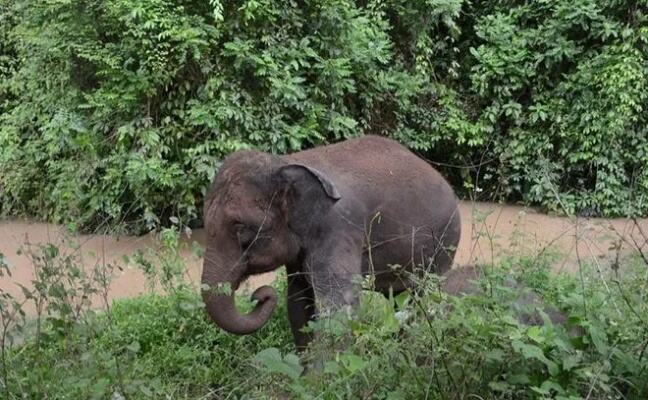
x,y
489,232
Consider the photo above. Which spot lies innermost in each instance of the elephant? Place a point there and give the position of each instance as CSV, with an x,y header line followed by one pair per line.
x,y
331,215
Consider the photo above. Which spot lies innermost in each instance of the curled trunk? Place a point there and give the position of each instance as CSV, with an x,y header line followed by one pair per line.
x,y
222,310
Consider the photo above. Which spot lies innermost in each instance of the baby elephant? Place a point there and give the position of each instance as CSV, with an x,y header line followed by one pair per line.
x,y
464,280
331,215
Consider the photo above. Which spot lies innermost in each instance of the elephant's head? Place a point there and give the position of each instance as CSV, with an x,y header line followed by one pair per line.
x,y
256,217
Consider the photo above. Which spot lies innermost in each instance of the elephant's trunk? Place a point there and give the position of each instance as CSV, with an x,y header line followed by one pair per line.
x,y
222,310
221,306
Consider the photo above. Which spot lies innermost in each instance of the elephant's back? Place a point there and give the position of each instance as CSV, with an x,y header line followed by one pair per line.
x,y
378,169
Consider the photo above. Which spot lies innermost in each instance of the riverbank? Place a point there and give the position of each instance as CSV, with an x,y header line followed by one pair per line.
x,y
489,232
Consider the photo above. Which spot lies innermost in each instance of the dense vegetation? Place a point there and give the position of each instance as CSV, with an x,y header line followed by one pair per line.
x,y
118,112
435,346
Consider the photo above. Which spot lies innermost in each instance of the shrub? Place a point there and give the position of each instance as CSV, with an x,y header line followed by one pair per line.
x,y
154,346
434,346
118,112
444,347
150,347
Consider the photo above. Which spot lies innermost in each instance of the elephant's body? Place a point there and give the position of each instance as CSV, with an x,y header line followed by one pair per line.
x,y
331,215
394,203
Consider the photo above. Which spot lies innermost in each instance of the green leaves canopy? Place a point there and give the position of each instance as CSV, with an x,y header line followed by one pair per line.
x,y
118,112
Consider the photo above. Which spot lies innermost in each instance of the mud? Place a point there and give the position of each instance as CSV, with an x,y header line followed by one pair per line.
x,y
489,232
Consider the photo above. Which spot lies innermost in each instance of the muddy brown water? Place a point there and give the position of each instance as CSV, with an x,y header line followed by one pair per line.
x,y
489,232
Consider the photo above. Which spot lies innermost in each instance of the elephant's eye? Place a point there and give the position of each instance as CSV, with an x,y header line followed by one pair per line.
x,y
246,235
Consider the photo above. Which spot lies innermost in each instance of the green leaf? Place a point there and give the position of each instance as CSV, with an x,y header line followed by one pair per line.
x,y
571,361
495,355
535,334
396,395
599,338
100,388
331,367
499,386
134,347
534,352
271,359
352,362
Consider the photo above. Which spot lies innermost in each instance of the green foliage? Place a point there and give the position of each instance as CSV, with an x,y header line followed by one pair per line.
x,y
153,346
409,346
150,347
444,347
144,99
119,112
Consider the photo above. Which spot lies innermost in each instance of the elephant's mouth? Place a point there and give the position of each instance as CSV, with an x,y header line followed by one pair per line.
x,y
256,267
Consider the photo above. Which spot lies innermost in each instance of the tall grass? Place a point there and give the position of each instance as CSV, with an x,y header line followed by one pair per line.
x,y
428,345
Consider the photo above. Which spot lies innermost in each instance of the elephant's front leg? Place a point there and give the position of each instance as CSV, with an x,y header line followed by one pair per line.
x,y
336,285
335,273
301,306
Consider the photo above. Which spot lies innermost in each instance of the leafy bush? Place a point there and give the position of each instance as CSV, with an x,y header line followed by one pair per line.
x,y
434,345
154,346
444,347
118,112
150,347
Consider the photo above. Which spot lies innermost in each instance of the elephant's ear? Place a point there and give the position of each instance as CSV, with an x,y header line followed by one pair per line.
x,y
304,179
305,194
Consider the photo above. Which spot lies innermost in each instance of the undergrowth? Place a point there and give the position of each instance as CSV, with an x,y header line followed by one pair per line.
x,y
433,346
442,347
150,347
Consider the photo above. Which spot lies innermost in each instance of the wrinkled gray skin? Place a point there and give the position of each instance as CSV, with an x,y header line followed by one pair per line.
x,y
330,215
